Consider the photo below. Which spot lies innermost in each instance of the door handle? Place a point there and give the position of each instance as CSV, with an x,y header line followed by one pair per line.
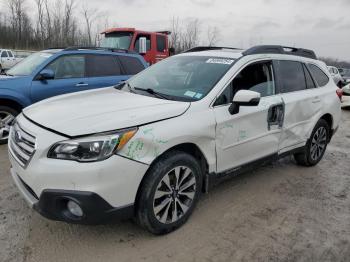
x,y
81,84
315,101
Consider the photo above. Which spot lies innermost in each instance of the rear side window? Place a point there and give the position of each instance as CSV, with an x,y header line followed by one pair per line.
x,y
102,65
131,65
320,77
10,53
292,76
161,43
309,81
4,54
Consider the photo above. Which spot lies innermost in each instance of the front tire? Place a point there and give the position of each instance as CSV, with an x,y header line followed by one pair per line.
x,y
7,116
316,145
169,193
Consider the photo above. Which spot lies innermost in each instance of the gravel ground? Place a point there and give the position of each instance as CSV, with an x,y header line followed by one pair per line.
x,y
280,212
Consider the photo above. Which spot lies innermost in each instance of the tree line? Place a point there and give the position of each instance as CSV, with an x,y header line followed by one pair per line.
x,y
64,23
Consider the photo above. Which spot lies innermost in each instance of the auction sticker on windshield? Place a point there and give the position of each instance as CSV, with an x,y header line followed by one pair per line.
x,y
219,61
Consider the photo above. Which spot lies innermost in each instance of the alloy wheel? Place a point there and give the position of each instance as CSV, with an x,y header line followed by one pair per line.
x,y
6,120
318,143
174,195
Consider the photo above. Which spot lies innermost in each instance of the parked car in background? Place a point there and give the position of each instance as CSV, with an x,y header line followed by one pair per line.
x,y
57,71
149,147
7,59
338,79
345,73
346,96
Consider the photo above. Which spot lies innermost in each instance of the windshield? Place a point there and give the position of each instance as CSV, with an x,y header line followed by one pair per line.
x,y
184,78
28,65
120,40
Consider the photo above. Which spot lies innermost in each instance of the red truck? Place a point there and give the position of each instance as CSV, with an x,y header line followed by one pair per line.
x,y
153,46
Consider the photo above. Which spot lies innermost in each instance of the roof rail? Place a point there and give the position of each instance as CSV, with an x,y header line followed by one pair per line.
x,y
277,49
208,48
75,48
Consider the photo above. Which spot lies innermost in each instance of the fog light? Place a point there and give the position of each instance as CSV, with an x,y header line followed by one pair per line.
x,y
74,208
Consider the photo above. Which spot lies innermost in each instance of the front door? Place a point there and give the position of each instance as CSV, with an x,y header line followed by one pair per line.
x,y
255,131
69,77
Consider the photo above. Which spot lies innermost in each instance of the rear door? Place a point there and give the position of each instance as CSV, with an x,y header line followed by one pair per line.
x,y
70,76
301,100
104,71
255,131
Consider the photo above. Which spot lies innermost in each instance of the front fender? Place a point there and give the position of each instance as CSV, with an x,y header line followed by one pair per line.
x,y
17,97
154,139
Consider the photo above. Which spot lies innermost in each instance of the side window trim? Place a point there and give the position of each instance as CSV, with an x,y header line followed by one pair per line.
x,y
237,72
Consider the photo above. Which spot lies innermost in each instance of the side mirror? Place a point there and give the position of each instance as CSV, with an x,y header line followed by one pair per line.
x,y
46,74
244,98
142,45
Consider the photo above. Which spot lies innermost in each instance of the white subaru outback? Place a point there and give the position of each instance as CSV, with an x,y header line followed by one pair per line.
x,y
149,147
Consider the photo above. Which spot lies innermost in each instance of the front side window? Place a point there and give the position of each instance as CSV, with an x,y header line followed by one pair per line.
x,y
256,77
184,78
102,65
28,65
4,54
69,66
320,77
292,76
10,53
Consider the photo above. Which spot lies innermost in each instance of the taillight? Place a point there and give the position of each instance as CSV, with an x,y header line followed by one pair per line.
x,y
340,93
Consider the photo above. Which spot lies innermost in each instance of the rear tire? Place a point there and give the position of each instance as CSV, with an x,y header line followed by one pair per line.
x,y
7,115
169,193
316,145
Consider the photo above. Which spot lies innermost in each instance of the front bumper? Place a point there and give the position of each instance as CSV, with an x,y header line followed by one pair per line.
x,y
52,204
111,185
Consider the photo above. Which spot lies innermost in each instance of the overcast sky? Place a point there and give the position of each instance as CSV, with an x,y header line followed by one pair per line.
x,y
322,25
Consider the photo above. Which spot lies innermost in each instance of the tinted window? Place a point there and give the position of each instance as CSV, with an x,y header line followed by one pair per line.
x,y
309,81
292,76
161,43
131,65
255,77
70,66
4,54
102,65
320,77
10,54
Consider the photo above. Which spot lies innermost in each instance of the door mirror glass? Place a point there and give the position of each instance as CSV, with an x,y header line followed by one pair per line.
x,y
46,74
142,45
244,98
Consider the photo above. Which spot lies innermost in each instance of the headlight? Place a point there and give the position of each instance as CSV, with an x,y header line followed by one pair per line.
x,y
93,148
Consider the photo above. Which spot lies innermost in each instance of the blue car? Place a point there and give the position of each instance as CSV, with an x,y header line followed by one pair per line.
x,y
59,71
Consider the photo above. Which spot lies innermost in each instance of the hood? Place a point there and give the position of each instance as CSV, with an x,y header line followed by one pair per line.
x,y
100,111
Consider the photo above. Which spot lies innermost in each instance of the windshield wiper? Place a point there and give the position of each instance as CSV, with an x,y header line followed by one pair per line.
x,y
152,92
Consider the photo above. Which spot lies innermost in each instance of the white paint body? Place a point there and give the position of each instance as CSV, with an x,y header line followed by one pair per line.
x,y
227,141
335,74
7,59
